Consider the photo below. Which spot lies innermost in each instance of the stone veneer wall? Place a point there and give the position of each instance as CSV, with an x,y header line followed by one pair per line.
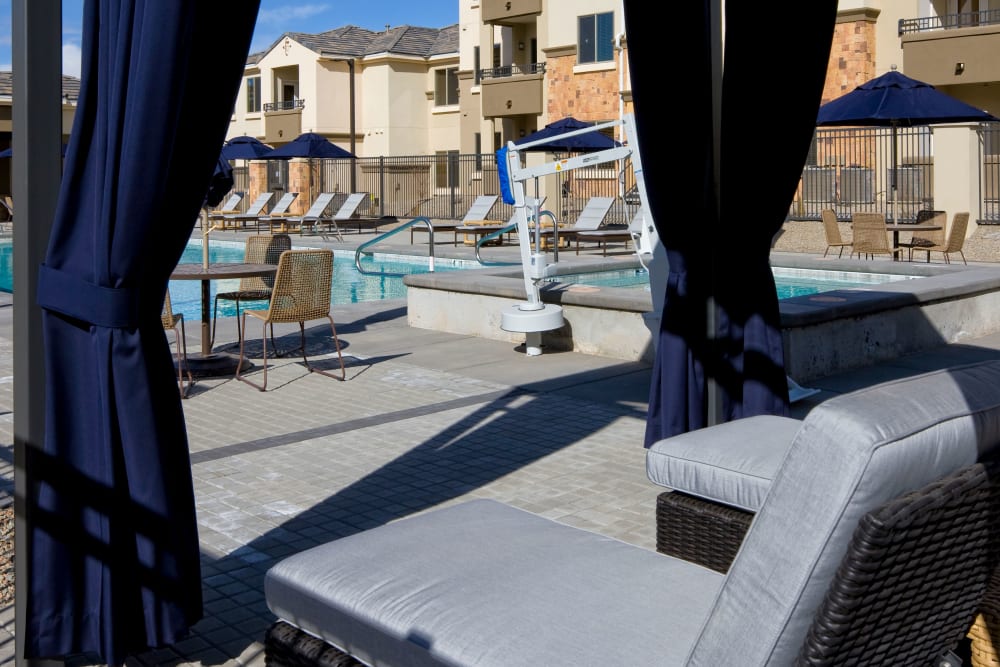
x,y
587,96
852,54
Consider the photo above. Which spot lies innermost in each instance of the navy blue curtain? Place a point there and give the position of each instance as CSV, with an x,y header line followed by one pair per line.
x,y
115,561
718,241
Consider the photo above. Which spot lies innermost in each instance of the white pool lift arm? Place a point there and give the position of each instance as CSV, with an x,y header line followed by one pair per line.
x,y
534,316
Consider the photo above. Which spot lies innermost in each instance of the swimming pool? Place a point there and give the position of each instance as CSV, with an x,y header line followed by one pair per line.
x,y
790,282
349,286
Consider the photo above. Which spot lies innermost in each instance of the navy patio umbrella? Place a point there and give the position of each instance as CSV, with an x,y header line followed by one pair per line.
x,y
9,152
719,352
244,148
895,100
309,144
581,143
113,558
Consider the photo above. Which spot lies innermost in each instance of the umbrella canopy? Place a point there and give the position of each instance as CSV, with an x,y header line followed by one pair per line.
x,y
894,100
309,145
244,148
589,141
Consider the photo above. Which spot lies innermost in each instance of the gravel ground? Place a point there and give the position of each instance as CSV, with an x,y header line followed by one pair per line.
x,y
807,236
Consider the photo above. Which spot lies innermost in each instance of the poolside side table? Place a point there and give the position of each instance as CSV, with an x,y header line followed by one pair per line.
x,y
208,363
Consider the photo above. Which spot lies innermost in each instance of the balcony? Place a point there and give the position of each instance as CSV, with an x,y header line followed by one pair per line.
x,y
952,49
513,90
510,12
282,120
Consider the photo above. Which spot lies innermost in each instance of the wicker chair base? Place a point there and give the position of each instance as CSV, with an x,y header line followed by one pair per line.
x,y
699,531
287,646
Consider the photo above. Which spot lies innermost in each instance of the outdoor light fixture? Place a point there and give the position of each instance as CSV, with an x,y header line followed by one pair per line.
x,y
959,68
520,46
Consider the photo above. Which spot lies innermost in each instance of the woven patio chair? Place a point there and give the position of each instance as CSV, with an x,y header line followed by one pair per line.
x,y
258,249
175,322
927,238
870,236
831,228
954,242
301,292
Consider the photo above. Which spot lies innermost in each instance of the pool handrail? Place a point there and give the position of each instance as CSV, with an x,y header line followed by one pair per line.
x,y
406,225
503,230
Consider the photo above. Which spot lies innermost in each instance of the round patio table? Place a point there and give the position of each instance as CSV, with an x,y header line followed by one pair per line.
x,y
897,227
208,363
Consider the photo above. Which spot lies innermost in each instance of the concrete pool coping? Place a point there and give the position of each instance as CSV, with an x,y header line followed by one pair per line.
x,y
948,304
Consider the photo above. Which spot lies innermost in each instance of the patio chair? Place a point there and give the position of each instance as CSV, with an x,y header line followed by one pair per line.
x,y
314,216
870,236
175,322
955,241
927,237
831,228
257,249
256,208
301,292
478,230
479,212
607,235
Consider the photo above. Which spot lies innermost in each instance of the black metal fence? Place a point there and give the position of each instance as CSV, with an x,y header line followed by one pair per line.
x,y
444,186
851,170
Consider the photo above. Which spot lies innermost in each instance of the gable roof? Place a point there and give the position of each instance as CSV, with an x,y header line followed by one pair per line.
x,y
352,40
70,86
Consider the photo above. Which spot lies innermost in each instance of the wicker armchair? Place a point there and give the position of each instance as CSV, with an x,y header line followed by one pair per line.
x,y
926,238
175,322
954,242
301,292
870,236
832,230
259,249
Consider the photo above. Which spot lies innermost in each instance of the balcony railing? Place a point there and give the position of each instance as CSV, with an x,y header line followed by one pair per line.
x,y
950,21
287,105
512,70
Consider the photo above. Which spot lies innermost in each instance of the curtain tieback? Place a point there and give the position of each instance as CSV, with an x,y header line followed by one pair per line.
x,y
110,307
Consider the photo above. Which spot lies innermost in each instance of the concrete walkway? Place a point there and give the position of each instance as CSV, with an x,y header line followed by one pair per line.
x,y
424,419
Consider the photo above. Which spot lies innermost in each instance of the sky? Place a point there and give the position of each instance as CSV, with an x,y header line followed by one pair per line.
x,y
275,18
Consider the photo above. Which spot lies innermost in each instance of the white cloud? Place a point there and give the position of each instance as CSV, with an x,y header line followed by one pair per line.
x,y
71,57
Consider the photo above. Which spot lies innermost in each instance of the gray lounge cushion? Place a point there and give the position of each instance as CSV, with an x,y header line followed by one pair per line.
x,y
732,463
482,583
853,453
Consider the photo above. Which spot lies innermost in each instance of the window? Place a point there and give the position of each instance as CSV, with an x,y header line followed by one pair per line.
x,y
446,87
475,66
253,94
596,38
446,169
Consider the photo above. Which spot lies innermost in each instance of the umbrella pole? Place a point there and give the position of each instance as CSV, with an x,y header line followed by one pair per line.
x,y
895,200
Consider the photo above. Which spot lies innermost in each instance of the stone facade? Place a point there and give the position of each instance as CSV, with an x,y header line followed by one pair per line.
x,y
852,55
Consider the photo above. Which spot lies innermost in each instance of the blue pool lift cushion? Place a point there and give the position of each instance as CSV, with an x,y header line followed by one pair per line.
x,y
506,194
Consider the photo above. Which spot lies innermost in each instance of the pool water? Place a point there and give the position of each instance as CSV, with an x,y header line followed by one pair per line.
x,y
790,282
349,285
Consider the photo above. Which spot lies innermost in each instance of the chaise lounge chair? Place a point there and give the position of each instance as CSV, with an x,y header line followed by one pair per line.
x,y
591,217
311,218
256,208
602,237
277,214
479,212
346,212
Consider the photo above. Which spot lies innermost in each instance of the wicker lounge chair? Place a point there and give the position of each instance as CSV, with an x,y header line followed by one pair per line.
x,y
955,240
175,322
870,236
873,545
256,208
257,249
831,228
301,293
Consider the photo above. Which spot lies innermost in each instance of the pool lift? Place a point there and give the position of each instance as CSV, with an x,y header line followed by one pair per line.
x,y
533,316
